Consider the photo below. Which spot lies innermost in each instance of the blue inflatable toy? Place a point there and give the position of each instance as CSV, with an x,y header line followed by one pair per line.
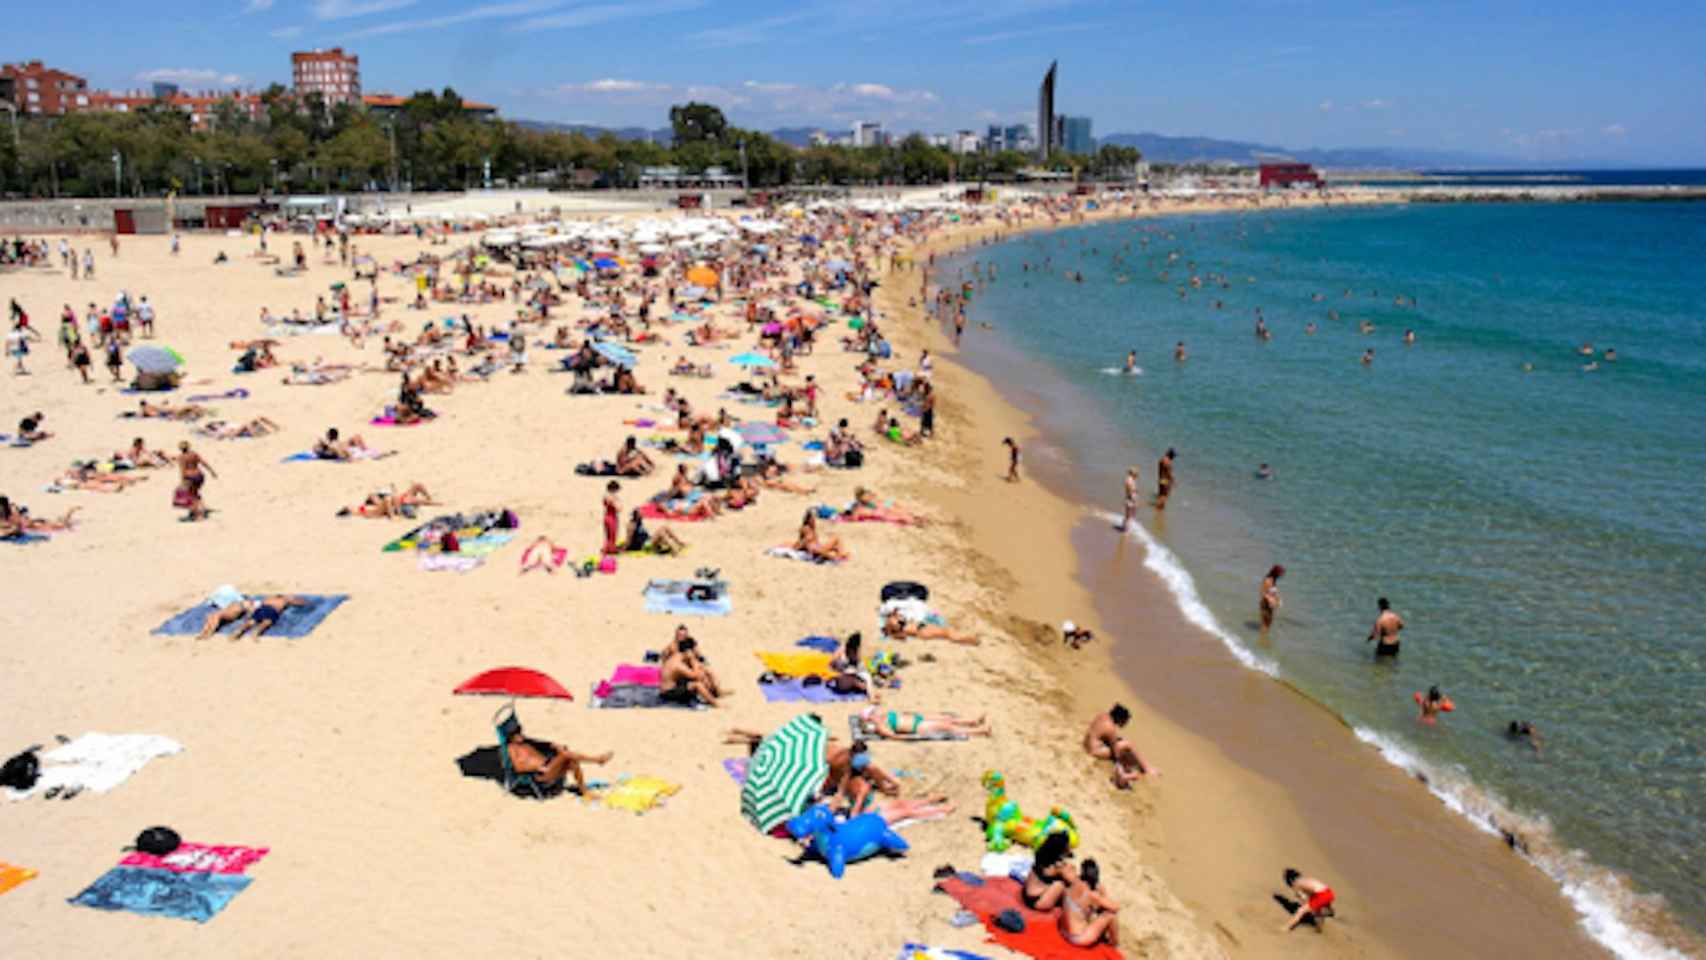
x,y
841,843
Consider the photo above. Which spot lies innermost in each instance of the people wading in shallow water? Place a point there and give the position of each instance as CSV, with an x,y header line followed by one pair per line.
x,y
1384,634
1270,599
1164,479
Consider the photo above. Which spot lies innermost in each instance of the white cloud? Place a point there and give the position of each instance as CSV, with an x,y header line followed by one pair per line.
x,y
189,77
345,9
257,6
591,14
1616,131
285,33
490,11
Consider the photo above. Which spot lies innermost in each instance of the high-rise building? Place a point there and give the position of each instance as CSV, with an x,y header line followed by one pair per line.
x,y
868,133
1045,115
1015,137
965,141
1075,137
44,91
164,91
333,74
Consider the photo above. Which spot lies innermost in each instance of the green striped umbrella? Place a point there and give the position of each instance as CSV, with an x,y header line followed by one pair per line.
x,y
785,772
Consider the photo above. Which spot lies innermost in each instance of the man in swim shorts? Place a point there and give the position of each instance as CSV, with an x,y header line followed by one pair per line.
x,y
266,613
1318,899
1106,741
1164,480
1385,631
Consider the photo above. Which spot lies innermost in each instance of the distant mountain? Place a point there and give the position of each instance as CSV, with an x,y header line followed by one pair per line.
x,y
1159,148
662,136
795,136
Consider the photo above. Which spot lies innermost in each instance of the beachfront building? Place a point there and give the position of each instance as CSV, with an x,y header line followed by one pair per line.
x,y
868,133
38,90
333,74
1287,175
1075,137
1045,115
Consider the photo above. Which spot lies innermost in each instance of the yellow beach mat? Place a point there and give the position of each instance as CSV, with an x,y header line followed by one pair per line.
x,y
11,876
639,794
801,663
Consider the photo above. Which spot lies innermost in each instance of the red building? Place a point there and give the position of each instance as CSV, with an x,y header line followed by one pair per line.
x,y
44,91
333,74
199,107
1288,175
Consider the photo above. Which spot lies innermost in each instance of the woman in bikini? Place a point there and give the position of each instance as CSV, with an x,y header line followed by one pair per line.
x,y
1087,916
1270,601
897,627
1046,883
894,725
382,503
809,542
866,507
663,542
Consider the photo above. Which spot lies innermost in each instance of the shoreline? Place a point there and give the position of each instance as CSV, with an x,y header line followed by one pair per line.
x,y
1216,678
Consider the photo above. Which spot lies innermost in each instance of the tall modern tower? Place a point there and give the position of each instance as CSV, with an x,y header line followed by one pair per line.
x,y
1045,115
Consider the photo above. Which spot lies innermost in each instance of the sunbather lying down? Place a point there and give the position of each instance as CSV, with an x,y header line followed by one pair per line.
x,y
896,725
167,411
389,503
87,476
548,763
220,430
897,627
256,617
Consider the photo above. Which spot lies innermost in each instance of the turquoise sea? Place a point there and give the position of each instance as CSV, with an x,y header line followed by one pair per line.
x,y
1540,523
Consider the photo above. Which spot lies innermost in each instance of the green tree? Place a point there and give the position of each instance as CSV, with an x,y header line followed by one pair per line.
x,y
696,122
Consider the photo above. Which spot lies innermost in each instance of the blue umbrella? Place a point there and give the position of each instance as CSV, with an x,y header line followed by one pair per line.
x,y
605,263
761,248
616,353
750,359
808,239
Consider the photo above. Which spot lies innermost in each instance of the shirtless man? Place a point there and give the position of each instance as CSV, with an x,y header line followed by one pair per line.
x,y
684,676
548,771
1164,480
1384,633
265,614
1130,362
1130,500
190,468
1318,900
1104,741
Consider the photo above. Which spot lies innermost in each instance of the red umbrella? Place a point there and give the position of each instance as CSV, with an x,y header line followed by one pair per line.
x,y
515,682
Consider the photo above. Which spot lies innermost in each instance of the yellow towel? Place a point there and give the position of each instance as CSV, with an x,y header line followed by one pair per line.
x,y
639,794
803,663
11,876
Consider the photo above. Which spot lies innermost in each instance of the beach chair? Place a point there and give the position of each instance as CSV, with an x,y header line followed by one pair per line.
x,y
519,784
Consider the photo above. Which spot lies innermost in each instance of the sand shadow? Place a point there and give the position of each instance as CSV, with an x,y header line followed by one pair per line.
x,y
1290,907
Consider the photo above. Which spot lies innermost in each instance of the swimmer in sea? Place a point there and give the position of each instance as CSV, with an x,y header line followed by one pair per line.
x,y
1164,480
1585,350
1409,337
1433,704
1525,732
1610,354
1179,351
1527,367
1309,328
1386,628
1368,357
1264,472
1131,362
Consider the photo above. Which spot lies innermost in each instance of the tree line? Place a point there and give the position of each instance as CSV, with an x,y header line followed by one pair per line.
x,y
431,143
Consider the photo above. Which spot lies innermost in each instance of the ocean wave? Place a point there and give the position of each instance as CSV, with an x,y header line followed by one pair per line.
x,y
1165,564
1610,910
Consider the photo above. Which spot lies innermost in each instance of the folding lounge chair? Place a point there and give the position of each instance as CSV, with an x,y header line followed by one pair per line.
x,y
519,784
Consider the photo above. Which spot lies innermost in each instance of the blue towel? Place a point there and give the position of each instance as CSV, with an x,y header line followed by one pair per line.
x,y
824,644
299,457
294,623
162,893
794,689
24,537
676,603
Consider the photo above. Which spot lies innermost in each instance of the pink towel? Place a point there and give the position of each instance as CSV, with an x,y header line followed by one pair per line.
x,y
198,858
629,675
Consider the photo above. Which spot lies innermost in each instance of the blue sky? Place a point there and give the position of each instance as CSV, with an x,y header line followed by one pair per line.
x,y
1563,81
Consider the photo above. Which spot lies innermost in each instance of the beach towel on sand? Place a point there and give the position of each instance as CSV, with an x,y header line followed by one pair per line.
x,y
796,690
917,951
606,696
670,596
198,858
639,794
789,553
98,762
294,623
1041,937
736,768
825,644
797,663
162,893
12,876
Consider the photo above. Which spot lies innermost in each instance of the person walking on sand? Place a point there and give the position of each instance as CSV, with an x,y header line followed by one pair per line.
x,y
1164,479
188,494
1317,900
1130,500
1012,459
1270,601
1384,634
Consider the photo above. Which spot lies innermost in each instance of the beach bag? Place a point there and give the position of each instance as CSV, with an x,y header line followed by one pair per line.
x,y
21,772
854,459
509,521
158,841
183,497
607,565
904,590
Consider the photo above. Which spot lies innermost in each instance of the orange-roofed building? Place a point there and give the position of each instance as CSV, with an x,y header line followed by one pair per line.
x,y
42,91
387,105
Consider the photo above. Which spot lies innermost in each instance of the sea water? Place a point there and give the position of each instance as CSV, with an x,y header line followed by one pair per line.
x,y
1537,515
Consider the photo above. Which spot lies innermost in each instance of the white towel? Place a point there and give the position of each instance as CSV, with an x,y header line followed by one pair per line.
x,y
98,761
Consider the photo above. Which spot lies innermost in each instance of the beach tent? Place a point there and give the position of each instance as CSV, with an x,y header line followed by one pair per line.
x,y
514,682
702,276
784,773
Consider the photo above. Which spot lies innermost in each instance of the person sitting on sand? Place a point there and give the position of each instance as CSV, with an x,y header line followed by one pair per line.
x,y
631,461
549,766
866,507
897,627
867,789
264,615
809,542
684,677
1317,904
893,725
1087,917
1074,635
29,428
664,542
1105,741
331,447
1047,880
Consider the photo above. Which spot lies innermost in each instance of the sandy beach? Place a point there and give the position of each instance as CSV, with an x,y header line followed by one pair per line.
x,y
337,751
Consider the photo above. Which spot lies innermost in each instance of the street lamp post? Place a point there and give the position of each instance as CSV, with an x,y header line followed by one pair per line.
x,y
118,174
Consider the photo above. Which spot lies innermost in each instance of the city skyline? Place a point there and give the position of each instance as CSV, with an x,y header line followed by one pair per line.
x,y
1559,89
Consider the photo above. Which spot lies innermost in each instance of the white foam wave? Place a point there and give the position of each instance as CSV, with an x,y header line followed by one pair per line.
x,y
1608,908
1166,566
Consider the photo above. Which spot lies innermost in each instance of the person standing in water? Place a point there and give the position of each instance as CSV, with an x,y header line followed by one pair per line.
x,y
1384,633
1164,480
1130,362
1179,351
1130,500
1270,600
